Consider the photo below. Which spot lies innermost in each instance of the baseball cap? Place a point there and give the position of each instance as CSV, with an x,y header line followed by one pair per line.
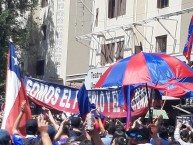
x,y
31,127
4,137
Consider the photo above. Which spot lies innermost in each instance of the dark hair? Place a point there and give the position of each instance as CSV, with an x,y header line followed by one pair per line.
x,y
184,135
118,133
110,128
120,127
31,127
65,131
171,130
174,143
85,142
191,136
163,133
120,141
75,122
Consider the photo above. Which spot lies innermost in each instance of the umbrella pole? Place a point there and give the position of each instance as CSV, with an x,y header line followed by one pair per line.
x,y
149,107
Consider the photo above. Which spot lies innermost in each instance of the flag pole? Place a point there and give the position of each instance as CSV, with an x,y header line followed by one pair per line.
x,y
149,107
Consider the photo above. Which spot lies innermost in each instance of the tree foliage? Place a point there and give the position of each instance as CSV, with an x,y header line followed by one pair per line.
x,y
15,21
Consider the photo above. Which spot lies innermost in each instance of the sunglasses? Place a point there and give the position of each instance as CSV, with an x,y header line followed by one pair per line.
x,y
137,136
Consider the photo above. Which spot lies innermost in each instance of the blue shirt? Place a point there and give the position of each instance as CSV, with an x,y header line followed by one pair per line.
x,y
18,140
163,141
107,140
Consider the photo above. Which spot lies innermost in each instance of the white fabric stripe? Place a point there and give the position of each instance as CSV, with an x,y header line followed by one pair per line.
x,y
13,85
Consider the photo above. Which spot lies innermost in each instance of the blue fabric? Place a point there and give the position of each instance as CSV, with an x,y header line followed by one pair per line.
x,y
18,140
13,63
163,141
158,69
62,141
83,101
188,46
116,75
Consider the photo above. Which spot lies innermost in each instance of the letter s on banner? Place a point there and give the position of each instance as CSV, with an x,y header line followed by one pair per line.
x,y
28,86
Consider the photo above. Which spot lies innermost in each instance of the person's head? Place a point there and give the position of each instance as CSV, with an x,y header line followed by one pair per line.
x,y
171,130
31,127
110,128
174,143
120,127
139,135
184,134
119,141
65,131
163,132
5,138
117,134
75,122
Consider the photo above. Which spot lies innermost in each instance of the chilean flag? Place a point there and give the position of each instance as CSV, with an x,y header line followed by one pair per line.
x,y
188,45
14,95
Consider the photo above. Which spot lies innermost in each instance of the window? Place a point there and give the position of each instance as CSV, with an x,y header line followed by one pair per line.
x,y
40,67
43,29
44,3
116,8
138,49
162,3
107,53
111,52
161,43
120,50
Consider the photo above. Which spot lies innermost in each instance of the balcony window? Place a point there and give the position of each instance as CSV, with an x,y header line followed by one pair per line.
x,y
107,53
162,3
120,50
116,8
161,43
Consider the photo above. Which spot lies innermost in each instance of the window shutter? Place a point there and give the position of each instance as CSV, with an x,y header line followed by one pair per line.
x,y
111,53
110,9
159,4
117,8
123,7
103,55
119,52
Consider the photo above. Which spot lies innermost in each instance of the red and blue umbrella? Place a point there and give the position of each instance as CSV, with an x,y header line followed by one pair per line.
x,y
154,69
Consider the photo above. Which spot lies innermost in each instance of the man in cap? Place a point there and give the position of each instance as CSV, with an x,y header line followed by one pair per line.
x,y
31,129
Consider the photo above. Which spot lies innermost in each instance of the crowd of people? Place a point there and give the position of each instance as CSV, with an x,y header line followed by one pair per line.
x,y
47,129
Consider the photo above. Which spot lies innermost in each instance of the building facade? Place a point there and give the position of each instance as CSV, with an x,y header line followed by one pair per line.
x,y
54,53
79,38
125,27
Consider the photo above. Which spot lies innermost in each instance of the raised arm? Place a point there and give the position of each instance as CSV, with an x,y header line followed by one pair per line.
x,y
19,117
43,129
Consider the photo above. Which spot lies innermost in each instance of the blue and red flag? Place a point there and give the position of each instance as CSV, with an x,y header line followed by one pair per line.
x,y
15,94
83,101
128,96
188,45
